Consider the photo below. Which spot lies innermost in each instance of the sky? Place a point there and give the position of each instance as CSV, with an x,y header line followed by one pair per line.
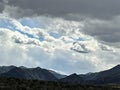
x,y
67,36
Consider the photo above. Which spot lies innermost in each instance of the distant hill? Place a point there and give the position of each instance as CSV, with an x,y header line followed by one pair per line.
x,y
57,75
29,73
111,76
74,78
104,77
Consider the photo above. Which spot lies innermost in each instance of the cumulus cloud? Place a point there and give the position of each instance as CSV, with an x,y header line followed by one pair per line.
x,y
101,18
9,52
50,46
63,35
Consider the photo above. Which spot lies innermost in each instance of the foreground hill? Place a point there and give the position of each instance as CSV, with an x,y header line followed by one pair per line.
x,y
21,84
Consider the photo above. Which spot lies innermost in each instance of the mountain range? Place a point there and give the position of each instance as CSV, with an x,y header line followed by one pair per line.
x,y
111,76
104,77
29,73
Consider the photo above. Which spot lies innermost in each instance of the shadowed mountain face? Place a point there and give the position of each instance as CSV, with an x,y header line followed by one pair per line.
x,y
111,76
103,77
108,76
57,75
27,73
72,79
4,69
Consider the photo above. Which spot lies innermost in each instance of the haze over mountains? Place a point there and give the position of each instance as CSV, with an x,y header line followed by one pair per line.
x,y
104,77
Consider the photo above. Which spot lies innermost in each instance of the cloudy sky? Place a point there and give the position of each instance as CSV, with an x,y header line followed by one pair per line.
x,y
68,36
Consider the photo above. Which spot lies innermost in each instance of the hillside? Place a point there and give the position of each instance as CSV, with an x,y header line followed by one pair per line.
x,y
29,73
111,76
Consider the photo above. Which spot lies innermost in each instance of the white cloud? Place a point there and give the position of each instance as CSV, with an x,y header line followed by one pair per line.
x,y
23,46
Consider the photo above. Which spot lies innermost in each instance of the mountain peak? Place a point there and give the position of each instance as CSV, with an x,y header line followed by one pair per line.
x,y
117,67
74,74
37,68
26,73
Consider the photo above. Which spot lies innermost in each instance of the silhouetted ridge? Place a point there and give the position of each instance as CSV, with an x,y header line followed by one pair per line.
x,y
104,77
74,78
4,69
116,67
26,73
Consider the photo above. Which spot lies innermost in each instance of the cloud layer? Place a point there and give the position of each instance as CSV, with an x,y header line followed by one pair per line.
x,y
64,35
101,18
93,8
54,43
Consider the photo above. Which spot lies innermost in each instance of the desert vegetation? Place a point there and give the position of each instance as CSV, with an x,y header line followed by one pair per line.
x,y
20,84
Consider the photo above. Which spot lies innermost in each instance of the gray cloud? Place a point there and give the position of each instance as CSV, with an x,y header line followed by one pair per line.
x,y
1,6
79,10
81,48
100,22
107,31
93,8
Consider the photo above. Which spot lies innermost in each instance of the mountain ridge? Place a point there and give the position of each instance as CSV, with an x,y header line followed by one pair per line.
x,y
104,77
27,73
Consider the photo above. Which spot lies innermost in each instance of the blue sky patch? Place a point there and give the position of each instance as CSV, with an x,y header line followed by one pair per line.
x,y
6,23
33,23
31,36
55,34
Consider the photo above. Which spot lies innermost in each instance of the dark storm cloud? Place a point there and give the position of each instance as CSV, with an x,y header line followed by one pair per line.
x,y
72,9
1,6
107,31
106,34
92,8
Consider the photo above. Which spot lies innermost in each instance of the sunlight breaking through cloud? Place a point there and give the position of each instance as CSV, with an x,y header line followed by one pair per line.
x,y
53,43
